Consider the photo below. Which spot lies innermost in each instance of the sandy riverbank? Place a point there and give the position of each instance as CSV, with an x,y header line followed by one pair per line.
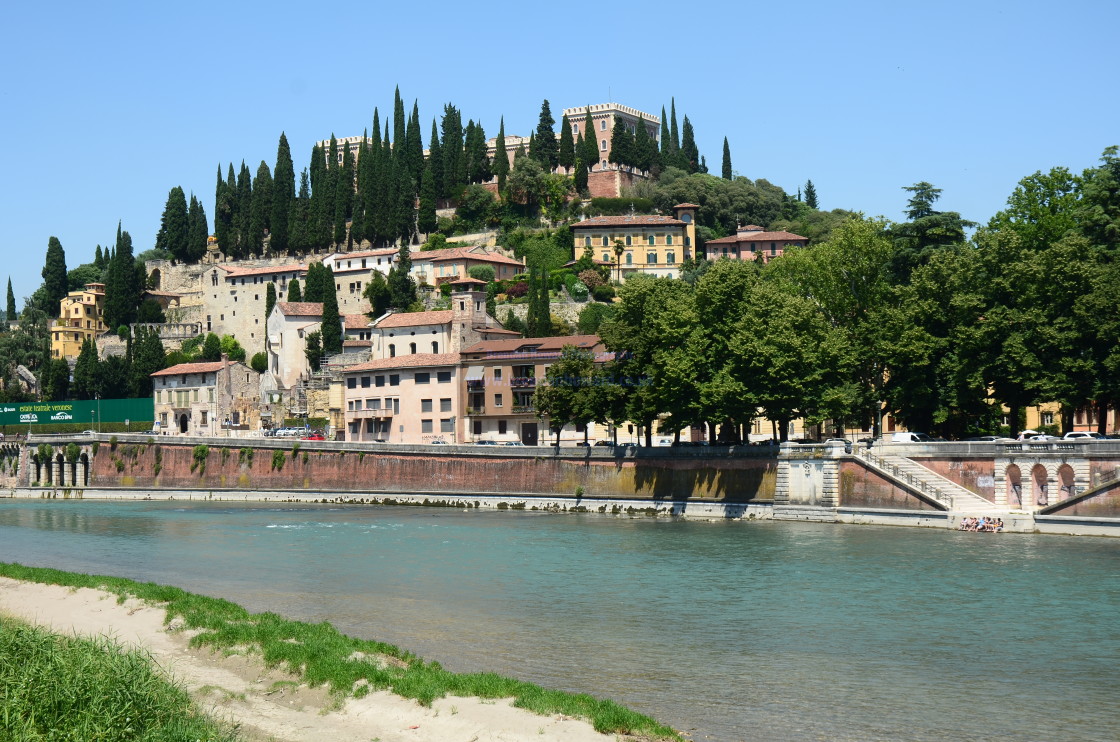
x,y
266,704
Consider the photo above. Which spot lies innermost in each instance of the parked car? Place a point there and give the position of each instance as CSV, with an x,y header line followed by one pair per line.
x,y
1025,435
990,439
1081,435
844,441
911,438
314,437
1043,437
486,443
604,443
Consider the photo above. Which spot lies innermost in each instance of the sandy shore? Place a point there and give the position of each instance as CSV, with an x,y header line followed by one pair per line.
x,y
265,707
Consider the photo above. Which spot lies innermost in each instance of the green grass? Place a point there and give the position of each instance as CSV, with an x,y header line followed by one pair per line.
x,y
64,688
320,655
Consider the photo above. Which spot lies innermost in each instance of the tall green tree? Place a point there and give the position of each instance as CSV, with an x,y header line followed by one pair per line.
x,y
377,294
402,289
451,145
295,294
622,143
1100,212
10,312
55,380
331,322
590,141
926,230
54,276
566,156
344,195
426,221
690,155
198,231
224,204
548,151
212,348
283,194
726,171
85,385
148,356
565,397
500,165
174,227
314,350
122,289
810,195
269,299
674,135
261,209
243,221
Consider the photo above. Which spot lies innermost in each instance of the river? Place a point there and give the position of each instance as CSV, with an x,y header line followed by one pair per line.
x,y
729,631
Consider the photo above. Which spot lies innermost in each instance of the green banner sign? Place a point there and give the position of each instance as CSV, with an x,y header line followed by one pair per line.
x,y
85,412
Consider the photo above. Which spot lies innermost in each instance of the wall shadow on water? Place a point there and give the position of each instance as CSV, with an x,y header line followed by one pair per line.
x,y
725,479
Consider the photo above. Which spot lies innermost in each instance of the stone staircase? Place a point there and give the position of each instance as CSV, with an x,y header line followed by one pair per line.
x,y
913,475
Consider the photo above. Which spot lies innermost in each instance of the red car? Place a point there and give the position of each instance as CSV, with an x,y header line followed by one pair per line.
x,y
314,437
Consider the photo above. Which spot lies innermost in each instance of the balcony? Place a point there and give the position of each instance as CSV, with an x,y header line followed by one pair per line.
x,y
479,410
475,384
523,382
524,409
383,412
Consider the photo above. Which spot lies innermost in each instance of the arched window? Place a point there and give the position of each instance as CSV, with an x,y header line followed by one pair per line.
x,y
412,348
687,241
670,258
603,145
587,242
668,239
606,258
604,240
650,239
629,259
628,240
651,258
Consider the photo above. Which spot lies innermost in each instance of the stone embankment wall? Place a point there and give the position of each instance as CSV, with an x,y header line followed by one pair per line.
x,y
861,487
327,467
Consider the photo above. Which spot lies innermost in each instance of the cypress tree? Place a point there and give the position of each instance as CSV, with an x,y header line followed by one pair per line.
x,y
810,195
533,153
98,258
666,140
364,192
547,149
590,141
426,219
645,150
10,311
674,136
622,143
344,196
55,285
383,217
223,212
454,170
299,221
580,172
313,288
690,156
400,130
244,223
85,384
261,211
148,356
404,206
414,146
121,289
321,208
294,293
198,231
726,160
479,169
330,191
174,226
283,193
435,161
567,154
212,348
500,165
331,326
269,299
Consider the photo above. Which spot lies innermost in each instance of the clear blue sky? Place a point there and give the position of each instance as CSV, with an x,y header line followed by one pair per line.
x,y
107,106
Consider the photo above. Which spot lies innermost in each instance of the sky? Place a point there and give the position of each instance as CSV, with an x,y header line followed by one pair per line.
x,y
106,107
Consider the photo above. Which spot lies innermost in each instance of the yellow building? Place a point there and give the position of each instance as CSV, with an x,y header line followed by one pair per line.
x,y
81,317
637,243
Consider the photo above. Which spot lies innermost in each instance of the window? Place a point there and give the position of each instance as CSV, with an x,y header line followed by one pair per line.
x,y
1047,418
773,248
476,427
651,258
501,427
497,374
379,380
670,258
373,404
686,218
629,259
687,241
649,240
423,377
425,426
392,351
603,125
394,379
587,242
668,239
443,377
603,145
446,425
435,347
606,258
497,400
604,240
425,405
203,421
445,404
412,348
365,382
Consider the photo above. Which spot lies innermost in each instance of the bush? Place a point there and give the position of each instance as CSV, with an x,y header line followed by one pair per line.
x,y
578,291
591,317
620,206
603,293
517,290
259,362
591,278
482,273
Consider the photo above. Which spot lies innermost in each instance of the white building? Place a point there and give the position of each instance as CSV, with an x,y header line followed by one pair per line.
x,y
206,399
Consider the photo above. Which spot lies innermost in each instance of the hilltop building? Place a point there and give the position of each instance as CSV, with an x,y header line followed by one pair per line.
x,y
81,318
752,242
640,243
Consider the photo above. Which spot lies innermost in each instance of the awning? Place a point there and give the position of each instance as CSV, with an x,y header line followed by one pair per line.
x,y
475,373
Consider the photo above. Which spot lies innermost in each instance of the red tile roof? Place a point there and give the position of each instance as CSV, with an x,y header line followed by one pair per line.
x,y
632,220
416,360
759,237
687,206
239,272
466,253
357,343
414,319
364,254
533,345
355,321
204,367
301,308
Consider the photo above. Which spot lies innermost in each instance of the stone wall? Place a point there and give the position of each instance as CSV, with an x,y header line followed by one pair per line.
x,y
314,466
861,487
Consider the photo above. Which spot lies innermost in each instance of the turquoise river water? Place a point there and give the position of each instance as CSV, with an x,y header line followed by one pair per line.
x,y
726,630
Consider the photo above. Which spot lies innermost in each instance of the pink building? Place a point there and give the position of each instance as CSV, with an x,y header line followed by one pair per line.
x,y
405,399
751,242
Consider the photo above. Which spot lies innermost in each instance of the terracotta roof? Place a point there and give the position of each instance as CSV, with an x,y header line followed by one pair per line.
x,y
364,254
687,206
301,308
357,343
416,360
758,237
193,368
466,253
150,292
752,228
496,331
467,280
633,220
533,345
239,272
570,263
415,319
355,321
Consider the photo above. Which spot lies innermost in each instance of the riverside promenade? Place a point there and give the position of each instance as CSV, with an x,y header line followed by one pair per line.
x,y
1053,487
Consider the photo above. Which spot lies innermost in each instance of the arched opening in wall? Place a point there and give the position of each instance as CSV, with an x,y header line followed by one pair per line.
x,y
1040,486
60,462
84,459
1014,486
1065,482
154,279
184,423
33,461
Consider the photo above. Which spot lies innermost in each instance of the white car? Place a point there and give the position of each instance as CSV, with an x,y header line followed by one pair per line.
x,y
1081,435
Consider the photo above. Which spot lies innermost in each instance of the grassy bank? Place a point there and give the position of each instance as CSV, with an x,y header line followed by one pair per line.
x,y
63,688
322,656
